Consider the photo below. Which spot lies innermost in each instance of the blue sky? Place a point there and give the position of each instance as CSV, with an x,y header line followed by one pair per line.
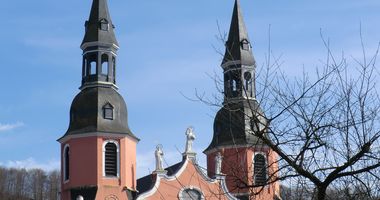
x,y
166,52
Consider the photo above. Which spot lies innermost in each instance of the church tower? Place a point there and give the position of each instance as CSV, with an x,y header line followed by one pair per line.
x,y
98,151
249,165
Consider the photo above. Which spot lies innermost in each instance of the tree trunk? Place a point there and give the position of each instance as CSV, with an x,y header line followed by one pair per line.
x,y
321,192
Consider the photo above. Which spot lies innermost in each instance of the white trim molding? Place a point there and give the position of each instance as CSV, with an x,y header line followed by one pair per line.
x,y
97,43
253,147
97,134
117,158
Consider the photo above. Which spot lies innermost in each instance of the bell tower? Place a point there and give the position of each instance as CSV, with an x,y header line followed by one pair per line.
x,y
249,165
99,48
98,151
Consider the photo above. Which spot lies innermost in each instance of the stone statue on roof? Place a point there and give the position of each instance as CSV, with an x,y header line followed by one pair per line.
x,y
190,137
159,154
218,163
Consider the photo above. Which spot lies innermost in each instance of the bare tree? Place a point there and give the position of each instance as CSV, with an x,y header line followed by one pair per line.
x,y
38,183
22,184
324,127
53,185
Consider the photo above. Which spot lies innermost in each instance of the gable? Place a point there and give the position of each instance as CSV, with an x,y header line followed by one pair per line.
x,y
183,181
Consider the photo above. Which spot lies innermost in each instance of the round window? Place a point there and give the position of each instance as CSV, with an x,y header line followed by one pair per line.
x,y
191,194
247,76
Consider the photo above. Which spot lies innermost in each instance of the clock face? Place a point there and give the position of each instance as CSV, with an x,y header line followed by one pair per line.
x,y
247,76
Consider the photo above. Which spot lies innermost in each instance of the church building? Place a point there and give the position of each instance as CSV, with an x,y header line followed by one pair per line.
x,y
98,151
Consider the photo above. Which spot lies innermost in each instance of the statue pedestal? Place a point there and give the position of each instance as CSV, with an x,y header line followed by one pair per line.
x,y
160,172
190,155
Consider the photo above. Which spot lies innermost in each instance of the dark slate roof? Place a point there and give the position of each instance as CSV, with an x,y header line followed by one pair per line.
x,y
174,168
232,124
86,113
146,183
237,34
99,12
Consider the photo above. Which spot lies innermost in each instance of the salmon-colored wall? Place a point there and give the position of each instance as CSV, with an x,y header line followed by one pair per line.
x,y
83,164
86,167
170,189
127,174
128,157
237,165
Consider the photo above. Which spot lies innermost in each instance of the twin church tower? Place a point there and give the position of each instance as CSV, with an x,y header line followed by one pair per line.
x,y
98,151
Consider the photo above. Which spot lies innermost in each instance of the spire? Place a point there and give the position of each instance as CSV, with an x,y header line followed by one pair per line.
x,y
238,45
99,27
99,48
99,108
233,122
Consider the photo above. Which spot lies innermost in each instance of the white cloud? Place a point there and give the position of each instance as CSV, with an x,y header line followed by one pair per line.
x,y
8,127
31,163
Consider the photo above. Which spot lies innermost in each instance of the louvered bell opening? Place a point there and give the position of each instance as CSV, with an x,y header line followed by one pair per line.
x,y
111,160
260,170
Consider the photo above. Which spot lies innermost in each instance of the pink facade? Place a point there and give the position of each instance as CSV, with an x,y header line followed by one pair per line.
x,y
238,166
189,176
98,151
86,166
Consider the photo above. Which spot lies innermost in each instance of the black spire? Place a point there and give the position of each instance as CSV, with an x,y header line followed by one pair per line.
x,y
235,121
99,48
99,108
99,27
238,45
238,62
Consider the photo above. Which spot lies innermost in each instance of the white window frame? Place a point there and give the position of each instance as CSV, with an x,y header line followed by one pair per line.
x,y
117,158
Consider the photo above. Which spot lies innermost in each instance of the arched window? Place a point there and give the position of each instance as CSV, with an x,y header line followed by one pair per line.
x,y
92,67
108,111
111,159
248,82
234,85
66,163
105,64
114,67
260,171
84,68
91,64
190,194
